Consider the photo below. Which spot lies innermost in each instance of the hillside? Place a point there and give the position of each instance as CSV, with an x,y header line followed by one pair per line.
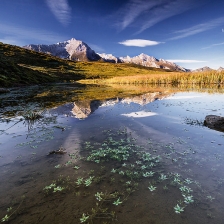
x,y
19,66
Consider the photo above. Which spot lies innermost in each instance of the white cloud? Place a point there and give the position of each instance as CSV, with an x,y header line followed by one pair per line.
x,y
148,13
61,10
198,28
139,43
20,35
140,114
185,61
213,45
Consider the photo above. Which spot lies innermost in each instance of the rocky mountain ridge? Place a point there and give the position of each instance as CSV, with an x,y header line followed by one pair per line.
x,y
73,49
203,69
149,61
77,50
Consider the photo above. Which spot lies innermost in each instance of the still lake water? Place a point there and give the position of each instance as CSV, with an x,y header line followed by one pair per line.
x,y
135,159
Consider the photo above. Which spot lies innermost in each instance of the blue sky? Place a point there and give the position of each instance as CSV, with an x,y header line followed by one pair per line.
x,y
188,32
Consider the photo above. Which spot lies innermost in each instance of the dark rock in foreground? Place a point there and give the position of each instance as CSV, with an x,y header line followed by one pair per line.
x,y
214,122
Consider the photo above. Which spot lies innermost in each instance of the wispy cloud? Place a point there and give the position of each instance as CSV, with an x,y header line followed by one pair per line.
x,y
132,10
198,28
96,48
213,45
184,61
61,10
12,41
139,43
149,13
16,34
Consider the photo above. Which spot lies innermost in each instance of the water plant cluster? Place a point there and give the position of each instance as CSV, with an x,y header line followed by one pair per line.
x,y
109,172
133,164
118,160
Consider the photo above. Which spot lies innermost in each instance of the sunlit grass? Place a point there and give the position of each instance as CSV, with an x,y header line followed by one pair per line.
x,y
171,78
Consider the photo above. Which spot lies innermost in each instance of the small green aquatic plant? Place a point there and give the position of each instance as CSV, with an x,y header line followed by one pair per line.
x,y
58,189
79,181
209,197
121,172
9,209
5,218
88,181
113,171
84,218
99,196
152,188
163,177
185,189
69,162
178,209
188,199
117,202
187,181
53,187
49,187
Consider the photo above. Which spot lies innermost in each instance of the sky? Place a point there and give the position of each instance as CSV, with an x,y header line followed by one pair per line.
x,y
187,32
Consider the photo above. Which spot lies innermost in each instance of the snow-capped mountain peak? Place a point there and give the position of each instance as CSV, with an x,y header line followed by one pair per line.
x,y
71,49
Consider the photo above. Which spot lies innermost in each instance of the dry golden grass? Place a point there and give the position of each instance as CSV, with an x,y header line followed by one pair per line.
x,y
171,78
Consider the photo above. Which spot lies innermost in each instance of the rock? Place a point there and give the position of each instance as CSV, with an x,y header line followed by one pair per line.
x,y
4,90
214,122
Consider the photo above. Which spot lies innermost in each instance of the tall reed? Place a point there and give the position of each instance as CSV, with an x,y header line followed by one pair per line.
x,y
199,78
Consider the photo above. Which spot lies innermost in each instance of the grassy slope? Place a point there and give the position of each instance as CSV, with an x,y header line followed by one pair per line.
x,y
19,66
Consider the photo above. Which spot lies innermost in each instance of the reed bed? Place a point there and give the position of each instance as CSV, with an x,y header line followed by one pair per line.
x,y
199,78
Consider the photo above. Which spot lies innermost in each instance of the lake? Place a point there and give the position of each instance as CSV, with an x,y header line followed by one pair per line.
x,y
111,154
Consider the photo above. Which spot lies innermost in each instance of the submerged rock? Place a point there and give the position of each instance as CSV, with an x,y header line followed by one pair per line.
x,y
214,122
4,90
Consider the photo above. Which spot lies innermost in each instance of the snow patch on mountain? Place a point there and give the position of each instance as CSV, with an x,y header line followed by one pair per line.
x,y
109,58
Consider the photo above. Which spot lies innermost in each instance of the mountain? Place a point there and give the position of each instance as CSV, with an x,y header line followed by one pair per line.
x,y
220,69
204,69
144,60
109,58
149,61
73,49
77,50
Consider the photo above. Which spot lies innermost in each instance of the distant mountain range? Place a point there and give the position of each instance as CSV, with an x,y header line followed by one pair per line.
x,y
77,50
